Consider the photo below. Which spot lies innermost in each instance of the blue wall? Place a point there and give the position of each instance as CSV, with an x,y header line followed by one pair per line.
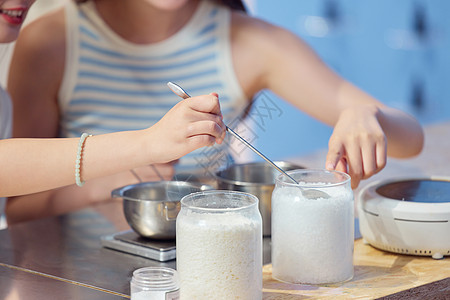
x,y
398,51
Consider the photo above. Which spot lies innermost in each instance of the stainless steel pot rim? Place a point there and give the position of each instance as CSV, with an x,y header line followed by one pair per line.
x,y
243,183
263,163
119,192
282,164
159,183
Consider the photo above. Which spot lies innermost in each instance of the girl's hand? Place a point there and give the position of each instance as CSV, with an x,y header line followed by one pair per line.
x,y
358,144
191,124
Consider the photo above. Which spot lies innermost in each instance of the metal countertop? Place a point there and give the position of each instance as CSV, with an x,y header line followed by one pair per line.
x,y
62,258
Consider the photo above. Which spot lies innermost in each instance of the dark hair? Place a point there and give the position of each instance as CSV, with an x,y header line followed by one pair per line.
x,y
233,4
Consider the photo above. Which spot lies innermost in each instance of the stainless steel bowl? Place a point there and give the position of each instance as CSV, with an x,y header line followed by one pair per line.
x,y
151,208
256,178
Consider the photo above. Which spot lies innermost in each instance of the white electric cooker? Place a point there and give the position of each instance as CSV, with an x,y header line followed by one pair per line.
x,y
408,216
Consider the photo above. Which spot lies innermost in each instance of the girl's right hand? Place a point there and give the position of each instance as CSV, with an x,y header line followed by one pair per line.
x,y
191,124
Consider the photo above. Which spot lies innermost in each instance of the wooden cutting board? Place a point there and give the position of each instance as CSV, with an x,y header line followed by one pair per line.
x,y
377,274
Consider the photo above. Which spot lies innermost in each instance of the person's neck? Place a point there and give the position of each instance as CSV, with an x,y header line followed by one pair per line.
x,y
139,22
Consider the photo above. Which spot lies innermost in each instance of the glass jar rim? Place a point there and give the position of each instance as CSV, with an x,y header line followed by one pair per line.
x,y
250,201
160,278
284,180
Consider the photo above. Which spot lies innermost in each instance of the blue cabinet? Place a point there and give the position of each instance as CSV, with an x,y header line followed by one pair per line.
x,y
398,51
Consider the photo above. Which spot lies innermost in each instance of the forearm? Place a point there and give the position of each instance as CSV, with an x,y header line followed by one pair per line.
x,y
66,199
29,207
34,165
405,137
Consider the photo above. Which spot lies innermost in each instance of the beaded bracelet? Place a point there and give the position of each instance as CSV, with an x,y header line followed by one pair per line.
x,y
83,138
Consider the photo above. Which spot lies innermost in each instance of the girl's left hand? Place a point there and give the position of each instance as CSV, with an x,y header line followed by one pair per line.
x,y
358,144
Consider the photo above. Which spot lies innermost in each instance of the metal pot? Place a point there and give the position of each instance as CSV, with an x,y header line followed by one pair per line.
x,y
151,208
256,178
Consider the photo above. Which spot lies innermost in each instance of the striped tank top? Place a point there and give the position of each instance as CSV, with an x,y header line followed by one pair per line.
x,y
113,85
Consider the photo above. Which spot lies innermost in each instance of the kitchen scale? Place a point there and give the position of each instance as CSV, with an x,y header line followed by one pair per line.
x,y
407,216
132,243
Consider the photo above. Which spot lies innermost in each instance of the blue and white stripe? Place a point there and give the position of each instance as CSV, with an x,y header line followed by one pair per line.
x,y
116,85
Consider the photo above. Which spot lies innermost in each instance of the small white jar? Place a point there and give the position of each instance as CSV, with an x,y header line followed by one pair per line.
x,y
155,283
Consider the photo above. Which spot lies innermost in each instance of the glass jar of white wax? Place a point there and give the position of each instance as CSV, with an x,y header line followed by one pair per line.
x,y
154,283
312,232
219,246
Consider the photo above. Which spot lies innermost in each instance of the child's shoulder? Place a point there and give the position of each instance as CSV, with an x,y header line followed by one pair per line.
x,y
47,31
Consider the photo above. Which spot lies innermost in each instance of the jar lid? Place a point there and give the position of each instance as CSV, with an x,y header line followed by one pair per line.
x,y
155,278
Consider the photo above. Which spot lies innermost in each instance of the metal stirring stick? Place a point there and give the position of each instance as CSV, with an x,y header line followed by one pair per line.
x,y
182,93
309,193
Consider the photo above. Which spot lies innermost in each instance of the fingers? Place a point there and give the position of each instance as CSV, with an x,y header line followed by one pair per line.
x,y
208,107
199,141
381,155
358,144
170,164
354,163
334,155
206,127
342,166
191,124
206,104
360,157
373,155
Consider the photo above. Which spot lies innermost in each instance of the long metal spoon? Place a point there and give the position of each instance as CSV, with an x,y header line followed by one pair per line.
x,y
310,193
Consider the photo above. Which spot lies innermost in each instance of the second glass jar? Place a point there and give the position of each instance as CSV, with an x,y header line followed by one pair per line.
x,y
312,238
219,246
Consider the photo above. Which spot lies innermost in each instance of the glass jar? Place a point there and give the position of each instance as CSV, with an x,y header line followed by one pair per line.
x,y
155,283
219,246
312,238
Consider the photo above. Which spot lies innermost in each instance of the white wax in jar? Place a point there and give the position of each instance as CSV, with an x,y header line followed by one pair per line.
x,y
219,257
312,239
